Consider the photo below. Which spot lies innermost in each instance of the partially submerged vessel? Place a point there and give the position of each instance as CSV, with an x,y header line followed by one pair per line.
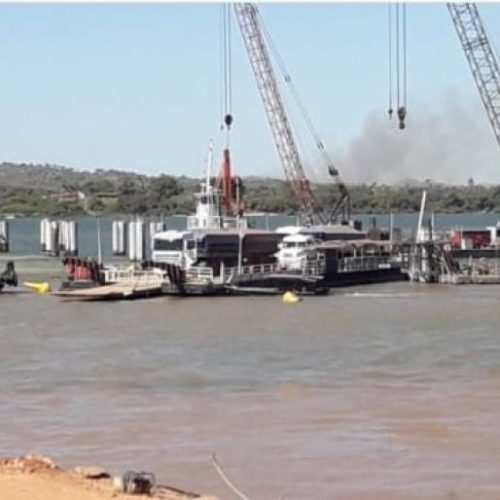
x,y
218,253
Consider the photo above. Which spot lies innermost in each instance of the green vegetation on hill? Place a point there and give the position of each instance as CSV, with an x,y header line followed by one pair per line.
x,y
53,190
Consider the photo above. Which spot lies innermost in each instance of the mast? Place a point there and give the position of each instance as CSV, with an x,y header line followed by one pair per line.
x,y
99,247
210,161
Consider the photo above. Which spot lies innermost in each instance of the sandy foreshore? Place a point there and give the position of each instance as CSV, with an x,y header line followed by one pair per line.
x,y
36,477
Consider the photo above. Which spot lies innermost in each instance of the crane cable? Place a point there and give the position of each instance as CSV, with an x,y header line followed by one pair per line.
x,y
397,52
404,52
288,80
389,41
226,70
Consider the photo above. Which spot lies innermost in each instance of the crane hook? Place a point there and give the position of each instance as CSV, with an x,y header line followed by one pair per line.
x,y
401,117
228,120
390,111
332,170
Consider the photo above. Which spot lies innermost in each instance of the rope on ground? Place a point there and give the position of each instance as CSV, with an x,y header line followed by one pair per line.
x,y
223,476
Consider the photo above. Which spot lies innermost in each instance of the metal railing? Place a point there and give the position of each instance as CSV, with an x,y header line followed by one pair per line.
x,y
200,273
346,264
133,276
203,273
216,222
212,222
311,268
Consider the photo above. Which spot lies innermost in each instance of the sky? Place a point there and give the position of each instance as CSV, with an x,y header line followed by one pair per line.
x,y
137,87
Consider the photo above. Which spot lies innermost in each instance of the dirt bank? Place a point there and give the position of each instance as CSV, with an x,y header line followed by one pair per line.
x,y
37,477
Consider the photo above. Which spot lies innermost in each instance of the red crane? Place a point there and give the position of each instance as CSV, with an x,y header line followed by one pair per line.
x,y
481,58
255,44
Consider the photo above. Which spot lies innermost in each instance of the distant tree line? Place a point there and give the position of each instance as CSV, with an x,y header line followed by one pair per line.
x,y
61,191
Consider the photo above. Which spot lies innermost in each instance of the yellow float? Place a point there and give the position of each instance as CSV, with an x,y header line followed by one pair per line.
x,y
38,287
290,298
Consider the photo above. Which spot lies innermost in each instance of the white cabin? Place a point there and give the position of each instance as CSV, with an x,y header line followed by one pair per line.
x,y
174,247
293,251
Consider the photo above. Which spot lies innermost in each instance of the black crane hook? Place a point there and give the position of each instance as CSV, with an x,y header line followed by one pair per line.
x,y
228,120
332,170
402,117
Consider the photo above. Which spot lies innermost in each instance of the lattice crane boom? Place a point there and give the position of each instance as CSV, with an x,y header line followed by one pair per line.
x,y
481,58
260,62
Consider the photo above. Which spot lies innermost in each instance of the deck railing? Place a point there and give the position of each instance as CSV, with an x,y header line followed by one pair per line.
x,y
311,268
364,263
133,276
200,273
216,222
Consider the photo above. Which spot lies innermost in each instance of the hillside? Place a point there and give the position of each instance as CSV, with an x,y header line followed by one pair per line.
x,y
54,178
28,189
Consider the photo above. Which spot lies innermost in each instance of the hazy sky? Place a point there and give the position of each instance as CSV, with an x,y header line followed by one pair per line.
x,y
136,87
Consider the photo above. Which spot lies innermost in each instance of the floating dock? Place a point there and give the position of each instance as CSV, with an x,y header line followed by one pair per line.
x,y
476,279
129,290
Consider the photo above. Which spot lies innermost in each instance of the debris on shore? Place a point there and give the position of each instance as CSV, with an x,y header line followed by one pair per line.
x,y
37,476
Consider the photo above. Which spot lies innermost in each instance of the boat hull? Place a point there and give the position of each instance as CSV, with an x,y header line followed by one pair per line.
x,y
364,277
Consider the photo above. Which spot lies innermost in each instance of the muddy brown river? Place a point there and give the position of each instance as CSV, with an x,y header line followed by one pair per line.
x,y
387,391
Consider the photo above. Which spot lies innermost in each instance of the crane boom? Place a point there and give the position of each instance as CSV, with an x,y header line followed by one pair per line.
x,y
247,16
481,57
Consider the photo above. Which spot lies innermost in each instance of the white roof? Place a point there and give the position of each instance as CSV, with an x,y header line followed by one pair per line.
x,y
172,234
331,229
289,229
298,238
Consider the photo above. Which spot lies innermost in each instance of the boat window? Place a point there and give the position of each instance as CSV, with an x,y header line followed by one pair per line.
x,y
168,245
190,244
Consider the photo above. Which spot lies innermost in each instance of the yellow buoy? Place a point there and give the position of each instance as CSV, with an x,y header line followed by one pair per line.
x,y
38,287
290,298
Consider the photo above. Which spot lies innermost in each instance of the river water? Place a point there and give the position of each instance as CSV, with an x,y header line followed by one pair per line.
x,y
382,391
388,391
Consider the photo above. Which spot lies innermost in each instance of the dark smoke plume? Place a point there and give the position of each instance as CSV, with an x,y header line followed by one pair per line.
x,y
448,144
